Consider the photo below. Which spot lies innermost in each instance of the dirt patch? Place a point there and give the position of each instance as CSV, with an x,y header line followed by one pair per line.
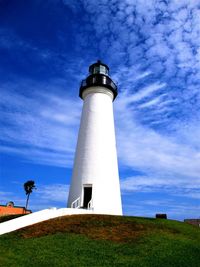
x,y
93,226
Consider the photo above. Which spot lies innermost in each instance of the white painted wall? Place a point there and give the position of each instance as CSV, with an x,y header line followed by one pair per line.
x,y
96,157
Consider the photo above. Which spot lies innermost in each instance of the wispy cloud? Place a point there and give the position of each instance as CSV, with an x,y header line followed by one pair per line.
x,y
174,186
144,92
37,127
145,149
152,102
52,193
156,41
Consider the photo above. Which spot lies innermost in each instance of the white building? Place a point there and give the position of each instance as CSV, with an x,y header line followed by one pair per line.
x,y
95,178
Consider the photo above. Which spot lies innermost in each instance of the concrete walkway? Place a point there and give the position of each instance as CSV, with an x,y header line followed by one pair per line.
x,y
39,216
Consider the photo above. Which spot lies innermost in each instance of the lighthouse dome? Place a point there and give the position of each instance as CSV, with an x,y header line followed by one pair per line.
x,y
99,68
98,76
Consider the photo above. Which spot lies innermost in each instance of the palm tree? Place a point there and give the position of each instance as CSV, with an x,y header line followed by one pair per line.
x,y
28,187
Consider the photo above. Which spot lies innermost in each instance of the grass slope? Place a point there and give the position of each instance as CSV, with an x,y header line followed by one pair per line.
x,y
97,240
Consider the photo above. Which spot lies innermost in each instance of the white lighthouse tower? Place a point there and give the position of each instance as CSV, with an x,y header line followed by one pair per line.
x,y
95,179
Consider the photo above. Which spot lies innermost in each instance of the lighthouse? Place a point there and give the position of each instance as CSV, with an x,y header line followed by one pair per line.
x,y
95,178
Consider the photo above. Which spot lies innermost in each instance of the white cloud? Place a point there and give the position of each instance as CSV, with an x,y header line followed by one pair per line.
x,y
165,183
142,75
145,92
154,101
169,162
52,193
42,128
142,148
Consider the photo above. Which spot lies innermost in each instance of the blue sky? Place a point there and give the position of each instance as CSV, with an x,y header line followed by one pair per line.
x,y
153,50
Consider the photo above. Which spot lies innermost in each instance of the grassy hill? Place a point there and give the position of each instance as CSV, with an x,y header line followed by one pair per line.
x,y
96,240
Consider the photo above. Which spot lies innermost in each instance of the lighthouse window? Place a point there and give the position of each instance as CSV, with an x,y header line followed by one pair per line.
x,y
103,70
104,80
100,69
96,70
93,79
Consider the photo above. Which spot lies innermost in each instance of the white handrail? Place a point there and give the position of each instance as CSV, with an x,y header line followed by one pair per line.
x,y
76,203
90,205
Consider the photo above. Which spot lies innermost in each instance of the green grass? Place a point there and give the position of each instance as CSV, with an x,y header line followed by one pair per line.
x,y
94,240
